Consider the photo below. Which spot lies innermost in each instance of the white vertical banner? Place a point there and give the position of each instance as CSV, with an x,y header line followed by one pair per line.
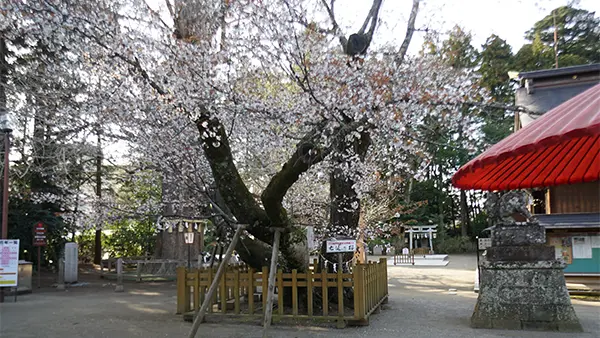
x,y
582,247
310,237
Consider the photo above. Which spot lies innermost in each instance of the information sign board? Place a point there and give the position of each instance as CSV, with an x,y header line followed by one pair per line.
x,y
39,234
341,245
9,262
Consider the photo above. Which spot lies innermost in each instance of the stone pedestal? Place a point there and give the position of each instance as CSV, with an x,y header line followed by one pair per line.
x,y
522,285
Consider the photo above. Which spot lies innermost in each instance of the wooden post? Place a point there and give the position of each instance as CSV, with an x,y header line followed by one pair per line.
x,y
270,295
251,291
180,290
340,287
196,290
295,292
357,276
39,266
236,291
309,290
215,283
223,293
324,292
280,292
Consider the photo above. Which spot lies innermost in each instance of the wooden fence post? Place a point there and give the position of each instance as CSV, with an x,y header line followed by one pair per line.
x,y
182,294
280,291
215,283
236,290
309,291
359,292
270,295
251,291
294,292
196,290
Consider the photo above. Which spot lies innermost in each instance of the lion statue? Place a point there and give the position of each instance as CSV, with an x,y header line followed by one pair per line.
x,y
501,206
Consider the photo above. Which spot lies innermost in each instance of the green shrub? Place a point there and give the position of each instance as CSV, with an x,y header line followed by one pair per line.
x,y
450,245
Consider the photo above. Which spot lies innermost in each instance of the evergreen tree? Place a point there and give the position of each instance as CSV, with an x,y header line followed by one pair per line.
x,y
495,60
578,37
457,51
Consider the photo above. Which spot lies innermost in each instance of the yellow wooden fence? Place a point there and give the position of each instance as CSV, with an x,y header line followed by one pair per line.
x,y
237,293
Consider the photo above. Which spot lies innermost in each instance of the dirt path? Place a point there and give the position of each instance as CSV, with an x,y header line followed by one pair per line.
x,y
420,306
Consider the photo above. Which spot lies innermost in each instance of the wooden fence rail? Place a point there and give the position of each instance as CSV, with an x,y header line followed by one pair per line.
x,y
243,291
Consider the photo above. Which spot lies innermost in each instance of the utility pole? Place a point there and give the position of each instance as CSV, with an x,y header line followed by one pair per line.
x,y
6,133
555,39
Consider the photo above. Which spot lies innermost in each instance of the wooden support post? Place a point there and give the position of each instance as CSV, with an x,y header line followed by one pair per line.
x,y
340,286
324,292
272,271
215,283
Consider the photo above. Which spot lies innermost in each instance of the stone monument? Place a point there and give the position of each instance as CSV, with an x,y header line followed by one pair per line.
x,y
522,285
71,263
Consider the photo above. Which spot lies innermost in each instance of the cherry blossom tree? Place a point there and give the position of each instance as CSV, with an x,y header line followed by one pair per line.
x,y
253,98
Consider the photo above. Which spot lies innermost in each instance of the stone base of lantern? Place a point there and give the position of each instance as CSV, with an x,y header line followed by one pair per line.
x,y
522,285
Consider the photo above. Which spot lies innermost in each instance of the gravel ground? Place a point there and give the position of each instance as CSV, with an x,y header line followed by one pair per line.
x,y
420,306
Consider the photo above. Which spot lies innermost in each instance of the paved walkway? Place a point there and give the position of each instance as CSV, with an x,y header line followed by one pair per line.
x,y
420,306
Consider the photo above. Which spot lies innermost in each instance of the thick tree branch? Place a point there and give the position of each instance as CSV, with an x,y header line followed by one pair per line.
x,y
410,28
227,178
306,155
371,18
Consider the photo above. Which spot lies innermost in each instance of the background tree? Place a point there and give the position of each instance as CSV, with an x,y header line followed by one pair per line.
x,y
578,40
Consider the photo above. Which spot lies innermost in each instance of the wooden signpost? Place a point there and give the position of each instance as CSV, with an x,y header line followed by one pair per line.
x,y
39,240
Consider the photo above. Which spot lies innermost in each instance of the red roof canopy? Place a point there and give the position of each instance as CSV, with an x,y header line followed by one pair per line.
x,y
560,147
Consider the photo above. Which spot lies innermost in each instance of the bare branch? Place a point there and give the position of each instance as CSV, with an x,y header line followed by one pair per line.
x,y
336,27
371,18
410,28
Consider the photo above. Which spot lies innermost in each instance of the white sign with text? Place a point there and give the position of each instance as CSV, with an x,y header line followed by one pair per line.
x,y
9,262
341,245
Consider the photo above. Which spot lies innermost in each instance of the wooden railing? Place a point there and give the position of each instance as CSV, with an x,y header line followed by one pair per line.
x,y
108,266
404,259
243,291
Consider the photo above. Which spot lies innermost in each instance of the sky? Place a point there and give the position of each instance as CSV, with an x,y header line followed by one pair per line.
x,y
508,19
